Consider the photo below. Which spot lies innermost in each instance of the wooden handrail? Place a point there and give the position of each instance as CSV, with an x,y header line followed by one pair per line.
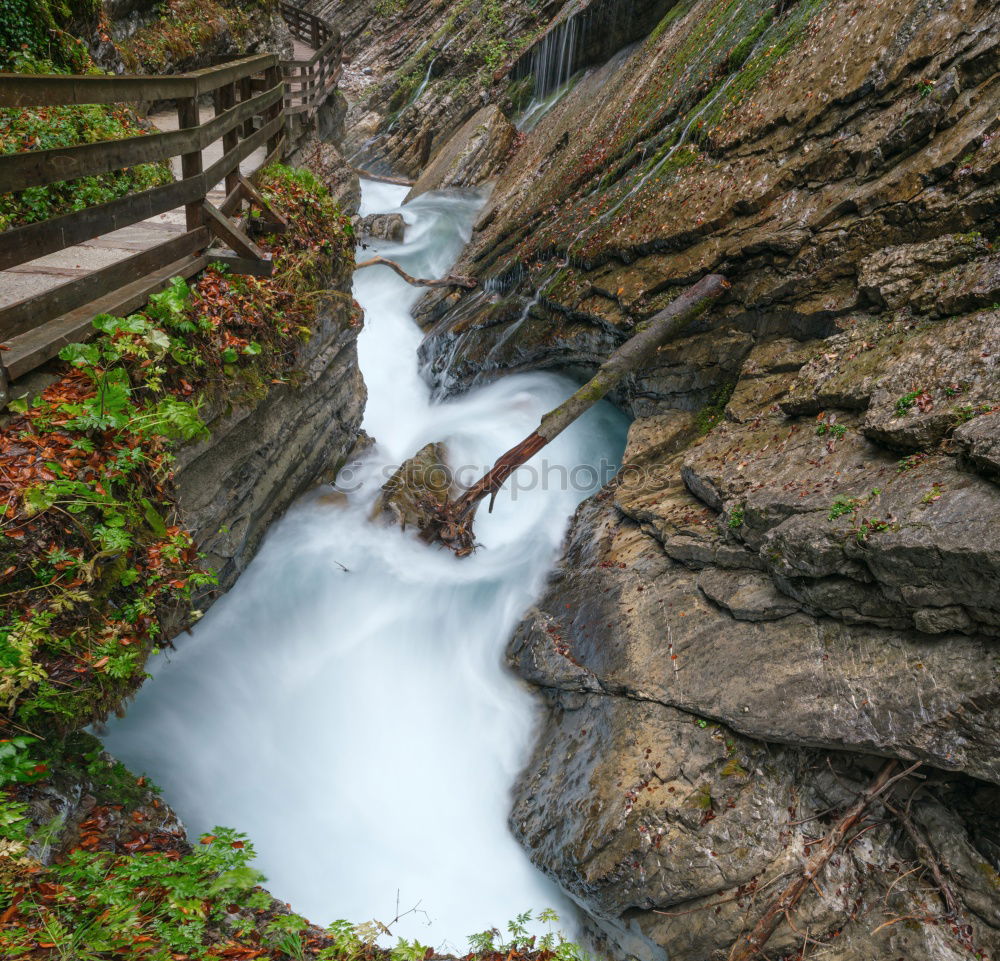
x,y
254,97
53,90
37,167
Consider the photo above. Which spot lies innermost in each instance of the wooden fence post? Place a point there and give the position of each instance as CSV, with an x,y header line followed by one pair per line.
x,y
188,118
225,97
246,92
273,77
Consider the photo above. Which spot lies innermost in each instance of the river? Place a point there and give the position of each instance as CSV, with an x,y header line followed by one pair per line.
x,y
346,704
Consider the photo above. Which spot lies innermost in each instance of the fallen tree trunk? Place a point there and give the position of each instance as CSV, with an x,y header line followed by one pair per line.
x,y
751,945
454,526
450,281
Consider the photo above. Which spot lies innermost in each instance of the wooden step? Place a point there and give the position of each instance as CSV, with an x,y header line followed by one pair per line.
x,y
30,350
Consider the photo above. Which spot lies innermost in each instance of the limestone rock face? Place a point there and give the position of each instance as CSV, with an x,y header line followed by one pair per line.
x,y
474,154
728,644
418,72
822,190
979,442
263,454
677,778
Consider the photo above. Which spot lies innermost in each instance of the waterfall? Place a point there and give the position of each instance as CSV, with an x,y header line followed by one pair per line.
x,y
553,59
346,703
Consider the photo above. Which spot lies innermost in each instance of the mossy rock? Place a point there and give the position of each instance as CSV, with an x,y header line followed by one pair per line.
x,y
422,483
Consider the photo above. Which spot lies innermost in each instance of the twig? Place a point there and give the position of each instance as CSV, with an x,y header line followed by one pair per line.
x,y
927,858
885,897
905,917
467,282
12,723
747,947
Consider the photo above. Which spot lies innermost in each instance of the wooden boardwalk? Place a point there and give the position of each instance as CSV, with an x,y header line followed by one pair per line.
x,y
226,124
35,276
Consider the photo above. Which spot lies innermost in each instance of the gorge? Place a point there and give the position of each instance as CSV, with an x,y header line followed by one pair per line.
x,y
701,621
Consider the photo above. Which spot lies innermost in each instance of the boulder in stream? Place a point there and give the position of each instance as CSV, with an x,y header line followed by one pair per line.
x,y
420,485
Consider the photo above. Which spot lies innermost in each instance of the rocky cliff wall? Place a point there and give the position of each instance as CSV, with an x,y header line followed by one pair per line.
x,y
262,453
797,572
149,36
420,69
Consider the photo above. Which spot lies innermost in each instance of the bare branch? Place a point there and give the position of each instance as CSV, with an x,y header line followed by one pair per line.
x,y
467,282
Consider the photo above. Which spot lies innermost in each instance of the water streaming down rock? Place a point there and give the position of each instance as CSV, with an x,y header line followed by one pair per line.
x,y
589,35
554,58
345,703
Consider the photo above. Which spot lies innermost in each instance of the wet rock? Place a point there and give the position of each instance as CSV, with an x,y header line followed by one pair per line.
x,y
964,288
746,595
767,374
382,227
915,380
474,154
796,198
408,497
852,532
263,453
676,834
890,276
622,617
979,443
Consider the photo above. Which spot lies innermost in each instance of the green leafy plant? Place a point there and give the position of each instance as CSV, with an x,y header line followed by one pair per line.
x,y
100,903
869,526
842,505
933,494
17,766
713,412
736,516
906,403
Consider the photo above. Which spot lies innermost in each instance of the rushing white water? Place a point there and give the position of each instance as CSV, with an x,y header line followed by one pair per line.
x,y
346,704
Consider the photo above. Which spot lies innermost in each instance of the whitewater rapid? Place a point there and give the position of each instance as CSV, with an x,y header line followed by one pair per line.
x,y
346,704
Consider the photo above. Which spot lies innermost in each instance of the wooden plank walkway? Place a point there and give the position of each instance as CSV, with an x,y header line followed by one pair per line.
x,y
37,276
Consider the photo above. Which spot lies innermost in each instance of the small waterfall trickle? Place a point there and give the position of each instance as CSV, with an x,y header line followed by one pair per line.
x,y
553,59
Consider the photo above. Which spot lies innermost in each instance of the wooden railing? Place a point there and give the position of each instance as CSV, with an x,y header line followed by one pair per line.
x,y
252,102
310,81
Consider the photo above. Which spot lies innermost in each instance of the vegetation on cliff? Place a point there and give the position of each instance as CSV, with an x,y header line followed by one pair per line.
x,y
185,28
39,28
95,562
91,549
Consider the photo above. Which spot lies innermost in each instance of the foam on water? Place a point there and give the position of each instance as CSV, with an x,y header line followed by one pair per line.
x,y
345,704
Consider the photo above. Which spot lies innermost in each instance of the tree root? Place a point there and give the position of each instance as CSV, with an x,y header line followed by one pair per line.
x,y
750,946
